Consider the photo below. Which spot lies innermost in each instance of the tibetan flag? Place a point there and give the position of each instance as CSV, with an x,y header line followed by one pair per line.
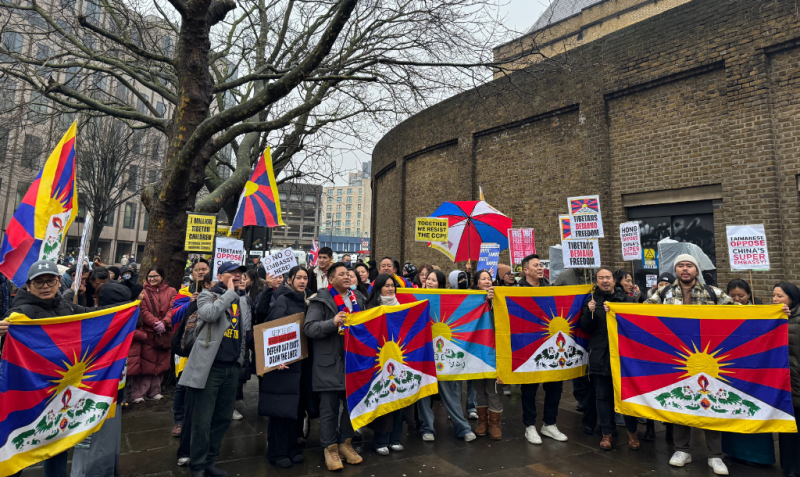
x,y
43,217
538,334
259,203
584,205
724,368
388,360
180,306
58,381
565,224
463,332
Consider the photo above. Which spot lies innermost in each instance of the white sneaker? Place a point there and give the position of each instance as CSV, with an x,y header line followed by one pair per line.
x,y
679,459
719,467
470,436
473,416
554,433
382,451
428,437
532,436
183,461
397,448
237,416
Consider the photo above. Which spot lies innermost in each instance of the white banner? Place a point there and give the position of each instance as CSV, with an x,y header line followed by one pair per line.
x,y
631,241
227,250
87,230
585,217
747,247
280,262
281,345
581,253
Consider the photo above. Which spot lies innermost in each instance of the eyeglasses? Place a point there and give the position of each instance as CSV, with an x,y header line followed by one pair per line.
x,y
153,277
39,284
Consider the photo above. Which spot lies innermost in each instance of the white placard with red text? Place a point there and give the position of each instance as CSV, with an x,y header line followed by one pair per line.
x,y
631,241
585,216
747,247
521,243
227,249
581,253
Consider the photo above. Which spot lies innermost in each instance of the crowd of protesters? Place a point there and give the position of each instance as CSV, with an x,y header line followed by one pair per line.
x,y
212,372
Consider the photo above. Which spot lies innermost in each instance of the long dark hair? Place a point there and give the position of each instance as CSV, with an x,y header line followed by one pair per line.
x,y
439,278
791,290
375,297
739,283
255,284
362,287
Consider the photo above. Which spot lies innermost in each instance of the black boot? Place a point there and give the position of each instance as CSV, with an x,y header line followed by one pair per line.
x,y
650,431
670,440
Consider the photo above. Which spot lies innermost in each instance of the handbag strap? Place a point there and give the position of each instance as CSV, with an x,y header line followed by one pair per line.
x,y
152,303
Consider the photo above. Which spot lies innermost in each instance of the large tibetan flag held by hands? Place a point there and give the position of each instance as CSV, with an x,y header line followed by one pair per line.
x,y
463,332
723,368
58,381
538,333
43,217
388,360
259,203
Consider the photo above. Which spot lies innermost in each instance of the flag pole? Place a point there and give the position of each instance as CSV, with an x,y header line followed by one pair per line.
x,y
752,287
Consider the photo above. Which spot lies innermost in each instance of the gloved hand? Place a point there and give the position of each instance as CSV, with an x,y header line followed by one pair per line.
x,y
160,328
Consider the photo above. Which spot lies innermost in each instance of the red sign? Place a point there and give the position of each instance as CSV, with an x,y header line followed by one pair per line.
x,y
521,243
282,338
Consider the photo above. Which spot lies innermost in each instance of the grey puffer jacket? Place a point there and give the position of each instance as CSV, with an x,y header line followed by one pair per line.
x,y
327,373
794,354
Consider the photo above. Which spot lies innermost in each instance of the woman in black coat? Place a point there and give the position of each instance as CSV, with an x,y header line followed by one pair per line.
x,y
283,393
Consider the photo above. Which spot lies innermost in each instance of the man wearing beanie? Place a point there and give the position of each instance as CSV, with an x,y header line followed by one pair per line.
x,y
688,290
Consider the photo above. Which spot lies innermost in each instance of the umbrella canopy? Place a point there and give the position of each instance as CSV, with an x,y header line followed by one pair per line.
x,y
471,223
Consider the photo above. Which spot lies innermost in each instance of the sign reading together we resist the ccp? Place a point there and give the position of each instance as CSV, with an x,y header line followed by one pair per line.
x,y
431,230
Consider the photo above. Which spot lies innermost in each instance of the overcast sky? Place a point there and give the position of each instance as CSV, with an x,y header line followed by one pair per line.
x,y
520,15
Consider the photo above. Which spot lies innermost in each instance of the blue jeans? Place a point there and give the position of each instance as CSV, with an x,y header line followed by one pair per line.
x,y
385,439
472,398
450,393
178,404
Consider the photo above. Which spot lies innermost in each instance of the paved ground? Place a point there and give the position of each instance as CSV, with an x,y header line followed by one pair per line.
x,y
148,449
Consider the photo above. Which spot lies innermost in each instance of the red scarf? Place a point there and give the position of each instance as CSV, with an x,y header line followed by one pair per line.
x,y
340,301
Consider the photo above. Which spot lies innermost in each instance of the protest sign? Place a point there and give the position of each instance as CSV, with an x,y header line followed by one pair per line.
x,y
489,258
587,221
651,280
431,230
279,342
227,250
631,241
747,247
76,284
280,262
581,253
200,232
565,226
225,231
521,243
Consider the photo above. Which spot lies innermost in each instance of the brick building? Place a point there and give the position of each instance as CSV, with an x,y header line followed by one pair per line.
x,y
685,119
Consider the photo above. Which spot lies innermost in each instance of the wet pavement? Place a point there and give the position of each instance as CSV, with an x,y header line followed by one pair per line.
x,y
149,449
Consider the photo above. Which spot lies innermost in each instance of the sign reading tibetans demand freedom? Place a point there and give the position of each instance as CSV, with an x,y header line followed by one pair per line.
x,y
587,221
489,258
538,333
521,243
747,247
280,262
200,232
388,360
431,230
227,250
710,367
631,241
581,253
463,332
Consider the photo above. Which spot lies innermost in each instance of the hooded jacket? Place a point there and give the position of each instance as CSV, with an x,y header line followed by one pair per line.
x,y
597,326
156,306
453,278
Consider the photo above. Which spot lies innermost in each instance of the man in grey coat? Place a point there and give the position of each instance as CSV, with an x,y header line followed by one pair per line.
x,y
326,314
212,370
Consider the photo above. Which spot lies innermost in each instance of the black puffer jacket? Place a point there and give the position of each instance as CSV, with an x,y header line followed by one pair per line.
x,y
280,391
597,327
794,354
543,282
33,307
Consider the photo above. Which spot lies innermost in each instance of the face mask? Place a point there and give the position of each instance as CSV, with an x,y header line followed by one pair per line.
x,y
353,287
127,276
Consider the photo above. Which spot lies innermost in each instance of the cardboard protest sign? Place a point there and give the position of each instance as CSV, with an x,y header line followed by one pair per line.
x,y
280,262
581,253
279,342
631,241
521,243
431,230
227,250
565,226
489,258
747,247
587,221
200,232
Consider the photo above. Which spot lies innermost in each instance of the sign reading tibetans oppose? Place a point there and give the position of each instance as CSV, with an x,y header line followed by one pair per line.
x,y
431,230
538,333
521,243
710,367
747,247
631,241
581,253
463,332
200,232
227,250
388,360
587,221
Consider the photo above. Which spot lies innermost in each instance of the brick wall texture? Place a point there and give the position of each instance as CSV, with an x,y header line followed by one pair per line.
x,y
705,94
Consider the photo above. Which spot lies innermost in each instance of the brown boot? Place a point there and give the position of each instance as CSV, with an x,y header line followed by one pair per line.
x,y
347,452
605,444
633,441
494,425
483,421
332,460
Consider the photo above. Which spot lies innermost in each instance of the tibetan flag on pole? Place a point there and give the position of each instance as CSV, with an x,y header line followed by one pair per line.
x,y
180,306
43,217
388,360
724,368
463,332
538,334
58,381
259,203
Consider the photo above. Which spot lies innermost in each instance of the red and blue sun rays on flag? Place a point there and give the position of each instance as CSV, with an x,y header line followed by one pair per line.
x,y
725,369
463,332
179,307
584,205
259,203
388,360
58,381
538,334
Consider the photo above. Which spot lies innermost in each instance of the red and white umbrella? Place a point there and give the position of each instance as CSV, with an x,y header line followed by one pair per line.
x,y
471,223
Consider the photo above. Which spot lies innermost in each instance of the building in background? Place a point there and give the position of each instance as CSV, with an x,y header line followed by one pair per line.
x,y
300,207
346,210
342,244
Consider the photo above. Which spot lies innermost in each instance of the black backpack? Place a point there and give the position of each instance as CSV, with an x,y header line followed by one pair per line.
x,y
662,293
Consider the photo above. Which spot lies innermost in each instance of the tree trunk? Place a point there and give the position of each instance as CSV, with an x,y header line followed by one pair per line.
x,y
94,240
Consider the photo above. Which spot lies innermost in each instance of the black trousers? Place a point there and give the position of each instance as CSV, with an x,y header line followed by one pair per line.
x,y
789,445
552,397
589,403
212,412
282,439
186,431
604,390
